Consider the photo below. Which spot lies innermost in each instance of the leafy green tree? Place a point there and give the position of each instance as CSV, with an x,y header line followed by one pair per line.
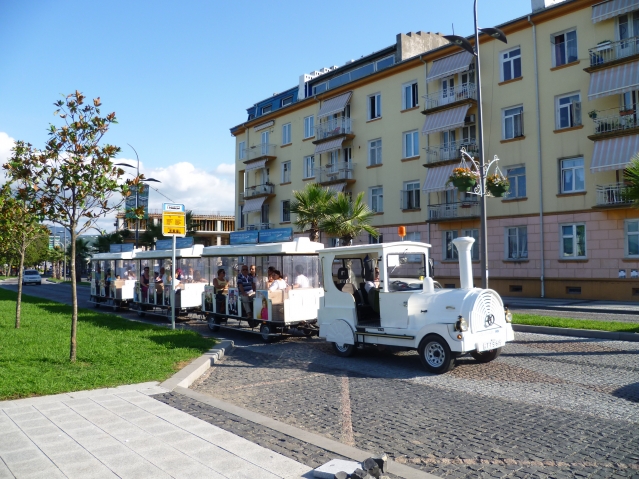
x,y
74,178
347,219
56,256
152,233
105,240
631,176
38,251
310,207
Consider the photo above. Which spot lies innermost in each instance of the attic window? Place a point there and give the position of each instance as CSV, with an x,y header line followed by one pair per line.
x,y
266,109
287,101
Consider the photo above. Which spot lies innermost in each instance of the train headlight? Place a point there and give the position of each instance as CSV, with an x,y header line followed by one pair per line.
x,y
461,324
509,315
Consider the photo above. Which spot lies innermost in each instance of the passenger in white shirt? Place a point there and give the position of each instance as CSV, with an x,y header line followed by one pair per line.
x,y
278,282
301,281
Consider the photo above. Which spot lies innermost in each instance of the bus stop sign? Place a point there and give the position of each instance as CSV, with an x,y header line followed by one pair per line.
x,y
173,220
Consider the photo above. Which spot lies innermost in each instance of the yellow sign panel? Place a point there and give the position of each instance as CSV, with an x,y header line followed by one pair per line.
x,y
173,224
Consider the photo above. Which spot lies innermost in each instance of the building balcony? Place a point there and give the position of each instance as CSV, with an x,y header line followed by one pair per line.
x,y
614,122
334,128
261,151
259,226
409,200
266,189
341,172
450,152
450,97
611,195
453,211
608,53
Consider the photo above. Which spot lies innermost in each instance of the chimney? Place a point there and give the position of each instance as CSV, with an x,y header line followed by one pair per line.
x,y
414,43
463,245
538,5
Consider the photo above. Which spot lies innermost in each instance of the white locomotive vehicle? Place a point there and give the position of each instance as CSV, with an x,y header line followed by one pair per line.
x,y
402,308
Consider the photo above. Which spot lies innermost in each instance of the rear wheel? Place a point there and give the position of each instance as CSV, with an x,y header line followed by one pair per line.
x,y
344,350
214,323
141,312
486,356
435,355
266,330
252,322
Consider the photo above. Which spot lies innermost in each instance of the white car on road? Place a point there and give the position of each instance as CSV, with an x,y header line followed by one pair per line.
x,y
31,276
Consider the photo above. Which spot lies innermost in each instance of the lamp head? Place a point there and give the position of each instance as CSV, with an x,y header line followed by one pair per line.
x,y
496,33
146,180
460,42
124,164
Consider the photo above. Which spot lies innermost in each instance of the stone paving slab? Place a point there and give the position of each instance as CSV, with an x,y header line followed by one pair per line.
x,y
124,433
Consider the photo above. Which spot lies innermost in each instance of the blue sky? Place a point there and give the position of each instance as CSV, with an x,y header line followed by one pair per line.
x,y
180,74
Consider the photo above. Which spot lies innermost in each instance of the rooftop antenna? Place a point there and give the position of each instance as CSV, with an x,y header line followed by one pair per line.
x,y
453,25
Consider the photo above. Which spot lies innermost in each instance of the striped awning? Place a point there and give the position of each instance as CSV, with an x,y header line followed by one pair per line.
x,y
445,120
437,179
605,10
614,153
255,165
457,63
330,145
254,204
614,81
338,188
334,105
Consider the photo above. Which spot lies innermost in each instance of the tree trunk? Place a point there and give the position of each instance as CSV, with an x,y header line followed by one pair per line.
x,y
74,300
23,248
314,234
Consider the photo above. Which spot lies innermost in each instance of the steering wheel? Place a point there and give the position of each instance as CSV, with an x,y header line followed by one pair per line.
x,y
400,285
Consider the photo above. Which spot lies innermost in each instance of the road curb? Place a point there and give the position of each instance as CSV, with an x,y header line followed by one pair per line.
x,y
580,333
186,376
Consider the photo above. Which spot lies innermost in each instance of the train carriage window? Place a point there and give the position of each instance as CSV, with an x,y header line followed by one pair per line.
x,y
405,271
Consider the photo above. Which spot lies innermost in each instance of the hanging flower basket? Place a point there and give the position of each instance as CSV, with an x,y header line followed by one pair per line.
x,y
497,185
463,179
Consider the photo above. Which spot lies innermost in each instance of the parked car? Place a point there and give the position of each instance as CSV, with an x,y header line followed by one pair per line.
x,y
31,276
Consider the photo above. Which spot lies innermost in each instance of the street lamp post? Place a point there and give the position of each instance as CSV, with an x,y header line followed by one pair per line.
x,y
466,45
137,192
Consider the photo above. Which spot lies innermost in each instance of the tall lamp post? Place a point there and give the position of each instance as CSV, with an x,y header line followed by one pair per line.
x,y
466,45
137,192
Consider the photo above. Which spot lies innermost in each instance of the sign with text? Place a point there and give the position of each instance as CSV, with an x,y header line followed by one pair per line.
x,y
243,237
276,235
173,220
179,243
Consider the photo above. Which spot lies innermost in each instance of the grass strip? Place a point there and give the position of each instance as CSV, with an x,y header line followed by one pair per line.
x,y
112,351
613,326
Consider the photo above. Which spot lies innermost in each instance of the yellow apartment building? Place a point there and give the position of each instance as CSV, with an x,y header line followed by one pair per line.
x,y
559,111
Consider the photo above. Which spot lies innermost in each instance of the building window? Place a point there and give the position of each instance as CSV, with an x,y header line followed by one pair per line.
x,y
286,134
266,109
334,242
377,199
564,47
309,166
517,242
517,178
375,106
242,217
568,108
513,122
309,126
287,101
375,152
286,172
384,63
450,252
469,133
474,251
409,95
411,144
573,241
572,175
632,237
241,150
373,240
511,64
285,213
410,196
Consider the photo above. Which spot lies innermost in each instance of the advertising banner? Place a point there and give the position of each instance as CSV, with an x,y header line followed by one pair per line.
x,y
143,201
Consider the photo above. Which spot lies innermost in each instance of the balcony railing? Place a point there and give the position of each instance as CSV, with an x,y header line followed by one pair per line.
x,y
258,151
333,127
450,151
614,119
259,226
612,194
465,91
607,52
464,209
259,190
409,200
336,171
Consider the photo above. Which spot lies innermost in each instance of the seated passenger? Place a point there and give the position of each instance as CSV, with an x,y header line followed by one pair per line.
x,y
301,281
278,282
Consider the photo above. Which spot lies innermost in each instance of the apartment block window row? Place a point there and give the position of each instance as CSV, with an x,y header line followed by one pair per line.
x,y
450,251
286,134
573,241
512,123
375,106
375,152
373,240
285,212
286,172
632,238
564,47
568,110
410,199
517,242
511,64
309,166
241,150
309,126
410,98
377,199
572,175
517,177
411,144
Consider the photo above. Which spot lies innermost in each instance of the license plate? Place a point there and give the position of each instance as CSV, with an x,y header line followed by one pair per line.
x,y
488,345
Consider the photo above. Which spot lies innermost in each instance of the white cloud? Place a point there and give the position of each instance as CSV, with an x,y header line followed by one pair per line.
x,y
6,143
225,169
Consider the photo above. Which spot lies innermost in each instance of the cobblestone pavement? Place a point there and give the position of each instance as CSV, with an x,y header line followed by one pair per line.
x,y
550,406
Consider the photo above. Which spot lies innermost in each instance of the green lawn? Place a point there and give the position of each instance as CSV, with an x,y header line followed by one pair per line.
x,y
534,320
34,360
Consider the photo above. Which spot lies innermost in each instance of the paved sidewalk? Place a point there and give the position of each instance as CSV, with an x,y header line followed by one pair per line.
x,y
124,433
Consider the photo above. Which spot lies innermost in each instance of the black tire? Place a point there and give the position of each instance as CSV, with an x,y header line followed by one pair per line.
x,y
265,330
344,350
486,356
435,354
214,323
252,322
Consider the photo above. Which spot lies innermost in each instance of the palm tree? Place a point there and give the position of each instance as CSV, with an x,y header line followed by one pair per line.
x,y
631,175
310,207
152,233
104,241
347,219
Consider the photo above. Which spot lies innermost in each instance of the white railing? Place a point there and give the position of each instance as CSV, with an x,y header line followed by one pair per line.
x,y
614,119
259,190
612,194
464,209
409,199
610,51
465,91
260,150
259,226
333,127
450,151
336,171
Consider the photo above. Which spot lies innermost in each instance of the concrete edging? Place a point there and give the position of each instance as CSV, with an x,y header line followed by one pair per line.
x,y
580,333
186,376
